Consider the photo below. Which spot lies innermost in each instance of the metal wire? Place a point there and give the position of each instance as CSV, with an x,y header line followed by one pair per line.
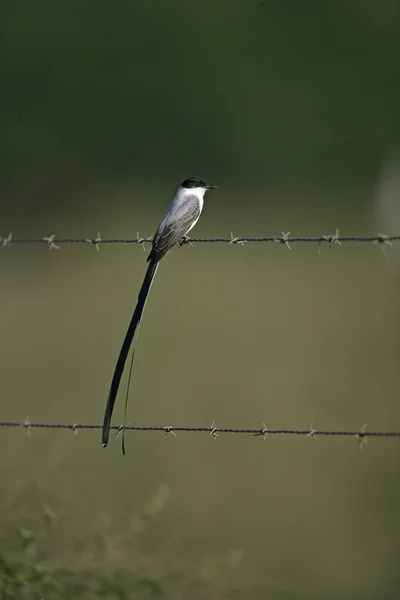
x,y
361,435
54,243
334,239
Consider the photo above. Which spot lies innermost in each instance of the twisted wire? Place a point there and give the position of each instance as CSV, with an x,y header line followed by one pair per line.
x,y
263,431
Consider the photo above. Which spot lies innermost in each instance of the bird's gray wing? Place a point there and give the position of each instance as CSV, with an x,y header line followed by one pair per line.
x,y
174,226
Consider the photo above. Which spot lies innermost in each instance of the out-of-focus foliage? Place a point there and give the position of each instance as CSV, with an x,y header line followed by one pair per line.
x,y
107,565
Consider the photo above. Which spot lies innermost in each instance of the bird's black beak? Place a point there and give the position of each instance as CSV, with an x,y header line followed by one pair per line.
x,y
211,187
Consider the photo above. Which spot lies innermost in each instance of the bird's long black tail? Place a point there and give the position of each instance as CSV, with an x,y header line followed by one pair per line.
x,y
119,368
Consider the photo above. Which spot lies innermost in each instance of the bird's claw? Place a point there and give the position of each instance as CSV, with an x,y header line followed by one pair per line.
x,y
184,240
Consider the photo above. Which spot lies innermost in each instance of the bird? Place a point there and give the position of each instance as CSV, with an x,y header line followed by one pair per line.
x,y
181,216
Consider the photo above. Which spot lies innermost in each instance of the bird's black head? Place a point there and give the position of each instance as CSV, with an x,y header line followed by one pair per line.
x,y
195,182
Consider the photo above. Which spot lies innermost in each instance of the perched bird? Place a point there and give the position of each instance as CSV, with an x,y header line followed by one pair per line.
x,y
181,216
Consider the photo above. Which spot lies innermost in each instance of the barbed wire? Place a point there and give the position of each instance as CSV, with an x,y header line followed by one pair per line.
x,y
361,435
54,243
333,239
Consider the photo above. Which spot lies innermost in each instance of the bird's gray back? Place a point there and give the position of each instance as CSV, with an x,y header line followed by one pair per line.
x,y
182,213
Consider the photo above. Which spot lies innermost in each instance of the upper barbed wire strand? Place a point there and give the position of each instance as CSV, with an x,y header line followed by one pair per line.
x,y
332,239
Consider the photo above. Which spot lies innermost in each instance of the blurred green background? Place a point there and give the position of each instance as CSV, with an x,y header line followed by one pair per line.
x,y
292,108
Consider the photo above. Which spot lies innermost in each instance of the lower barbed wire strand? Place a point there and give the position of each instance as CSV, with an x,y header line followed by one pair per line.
x,y
261,431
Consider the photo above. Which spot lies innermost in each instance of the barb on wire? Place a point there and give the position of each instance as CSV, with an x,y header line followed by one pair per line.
x,y
264,432
51,243
285,239
6,241
331,240
95,241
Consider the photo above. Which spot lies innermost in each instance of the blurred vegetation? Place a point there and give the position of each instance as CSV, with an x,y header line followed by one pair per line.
x,y
108,565
291,108
257,90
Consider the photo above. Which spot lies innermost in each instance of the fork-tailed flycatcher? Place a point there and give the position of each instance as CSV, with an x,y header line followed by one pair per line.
x,y
181,216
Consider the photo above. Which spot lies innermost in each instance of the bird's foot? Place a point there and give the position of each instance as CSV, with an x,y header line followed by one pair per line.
x,y
184,240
